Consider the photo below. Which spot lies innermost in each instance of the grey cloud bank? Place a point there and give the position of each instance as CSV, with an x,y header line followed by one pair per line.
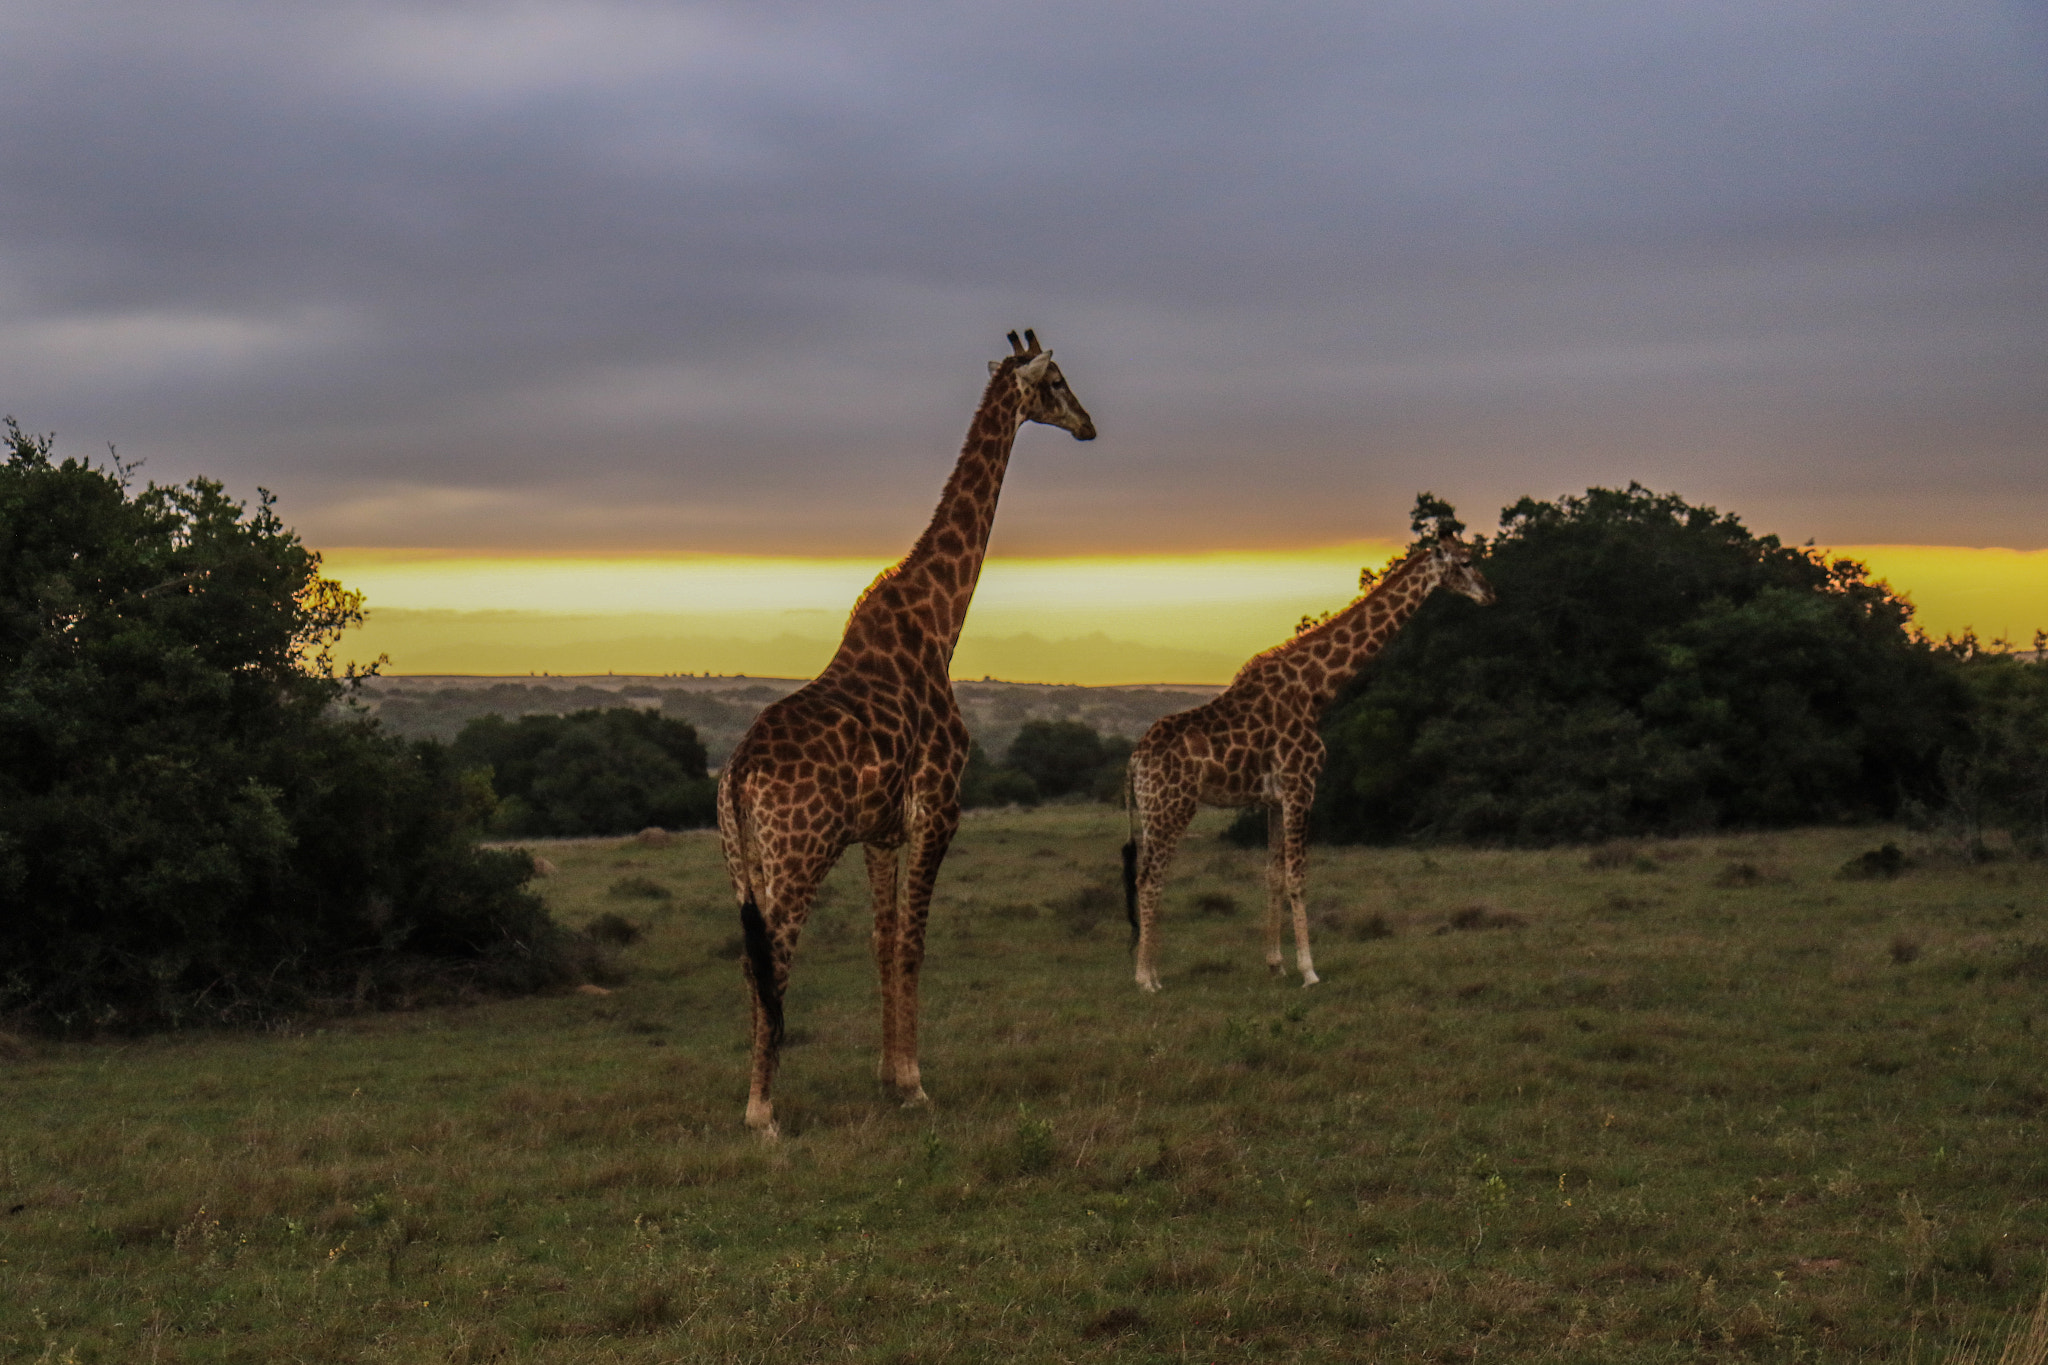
x,y
722,277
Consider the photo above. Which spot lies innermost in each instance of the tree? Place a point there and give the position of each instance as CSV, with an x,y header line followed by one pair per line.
x,y
1059,756
1047,759
608,771
1649,666
186,832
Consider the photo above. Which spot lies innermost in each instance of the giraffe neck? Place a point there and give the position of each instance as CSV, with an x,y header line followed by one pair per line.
x,y
928,593
1328,656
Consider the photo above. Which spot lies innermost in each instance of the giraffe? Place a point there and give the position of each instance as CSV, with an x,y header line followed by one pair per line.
x,y
1256,744
871,751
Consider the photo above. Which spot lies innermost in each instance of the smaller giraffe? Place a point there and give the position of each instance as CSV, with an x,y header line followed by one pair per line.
x,y
1256,744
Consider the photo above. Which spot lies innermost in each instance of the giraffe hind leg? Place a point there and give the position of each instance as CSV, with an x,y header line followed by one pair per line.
x,y
761,969
883,870
931,835
1276,885
1294,871
768,930
1162,831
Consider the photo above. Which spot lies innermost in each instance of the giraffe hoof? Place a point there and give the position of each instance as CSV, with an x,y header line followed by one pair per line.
x,y
1149,986
1309,979
918,1101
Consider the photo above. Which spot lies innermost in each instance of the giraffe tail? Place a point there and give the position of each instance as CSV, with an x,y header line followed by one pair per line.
x,y
1131,887
760,949
761,966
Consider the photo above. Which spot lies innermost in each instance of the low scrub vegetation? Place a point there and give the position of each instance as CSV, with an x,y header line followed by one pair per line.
x,y
1622,1109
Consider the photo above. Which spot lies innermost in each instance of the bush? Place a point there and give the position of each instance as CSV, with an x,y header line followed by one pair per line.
x,y
1047,760
1062,757
1649,667
593,772
1995,776
186,833
983,783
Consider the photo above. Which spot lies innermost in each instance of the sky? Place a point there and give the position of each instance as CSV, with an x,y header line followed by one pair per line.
x,y
579,282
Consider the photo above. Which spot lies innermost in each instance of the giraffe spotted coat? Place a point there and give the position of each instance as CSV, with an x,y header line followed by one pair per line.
x,y
871,751
1256,744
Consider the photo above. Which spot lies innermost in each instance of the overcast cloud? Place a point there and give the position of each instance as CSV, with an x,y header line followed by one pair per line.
x,y
723,277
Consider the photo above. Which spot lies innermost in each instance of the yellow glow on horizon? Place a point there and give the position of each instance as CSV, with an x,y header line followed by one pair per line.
x,y
1096,620
706,584
1996,592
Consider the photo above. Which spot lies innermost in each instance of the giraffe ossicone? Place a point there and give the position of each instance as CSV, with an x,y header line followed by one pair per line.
x,y
870,752
1255,744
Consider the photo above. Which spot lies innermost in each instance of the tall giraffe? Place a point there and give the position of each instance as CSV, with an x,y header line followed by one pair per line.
x,y
1256,744
870,752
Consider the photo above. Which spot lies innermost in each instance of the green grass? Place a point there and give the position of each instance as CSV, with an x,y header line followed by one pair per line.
x,y
1699,1098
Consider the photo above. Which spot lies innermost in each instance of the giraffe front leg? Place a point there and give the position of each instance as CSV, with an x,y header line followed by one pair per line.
x,y
1293,818
882,883
930,837
1163,829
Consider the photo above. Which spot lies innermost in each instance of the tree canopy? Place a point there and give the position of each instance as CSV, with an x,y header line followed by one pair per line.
x,y
185,829
1650,666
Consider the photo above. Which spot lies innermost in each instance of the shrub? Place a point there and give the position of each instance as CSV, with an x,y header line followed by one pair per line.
x,y
1649,667
1886,860
592,772
615,929
186,830
1047,760
1996,775
983,783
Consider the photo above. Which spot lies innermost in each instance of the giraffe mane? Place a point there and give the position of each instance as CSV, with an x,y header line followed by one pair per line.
x,y
869,591
1311,627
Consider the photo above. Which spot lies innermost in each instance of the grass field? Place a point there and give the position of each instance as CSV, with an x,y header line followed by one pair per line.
x,y
1697,1099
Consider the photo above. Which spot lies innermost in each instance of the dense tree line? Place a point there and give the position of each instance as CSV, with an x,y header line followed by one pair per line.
x,y
622,769
187,832
1650,666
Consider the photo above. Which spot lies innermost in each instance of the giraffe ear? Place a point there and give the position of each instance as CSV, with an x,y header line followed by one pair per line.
x,y
1033,370
994,365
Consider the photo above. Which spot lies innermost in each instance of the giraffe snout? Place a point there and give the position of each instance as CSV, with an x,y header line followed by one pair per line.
x,y
1085,432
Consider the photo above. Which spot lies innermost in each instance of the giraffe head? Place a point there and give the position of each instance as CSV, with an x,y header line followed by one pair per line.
x,y
1044,389
1451,564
